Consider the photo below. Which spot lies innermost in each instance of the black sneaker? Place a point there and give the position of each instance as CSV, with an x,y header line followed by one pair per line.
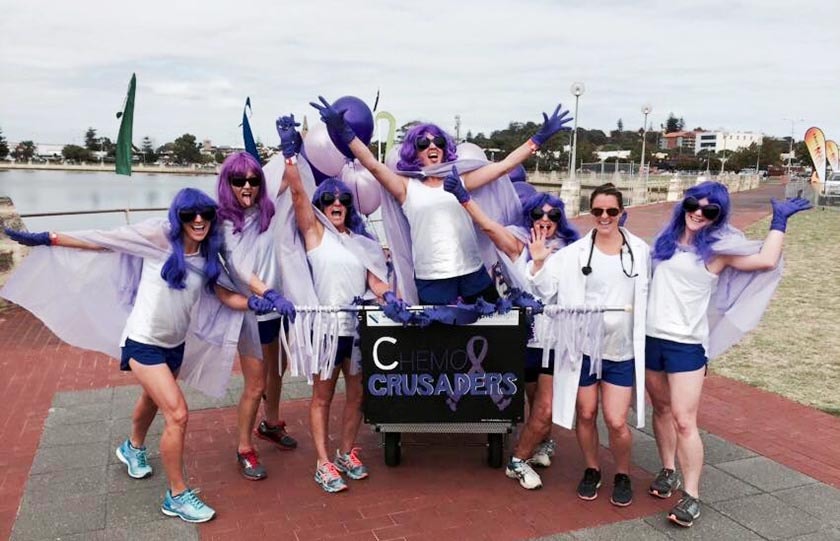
x,y
622,494
249,466
666,482
589,485
276,434
685,512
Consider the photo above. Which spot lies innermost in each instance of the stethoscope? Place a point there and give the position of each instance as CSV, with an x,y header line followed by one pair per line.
x,y
587,269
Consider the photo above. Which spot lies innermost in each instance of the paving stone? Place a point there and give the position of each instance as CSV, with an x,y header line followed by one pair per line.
x,y
769,516
765,474
645,456
627,530
717,450
78,414
638,434
138,506
819,500
163,530
96,431
711,525
118,480
717,485
65,457
555,537
74,398
824,534
58,485
74,515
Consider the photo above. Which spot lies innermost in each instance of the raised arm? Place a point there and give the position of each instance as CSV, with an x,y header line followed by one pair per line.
x,y
490,172
394,183
50,239
501,237
308,225
771,251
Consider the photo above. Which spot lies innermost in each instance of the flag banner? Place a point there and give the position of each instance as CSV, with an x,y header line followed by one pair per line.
x,y
247,135
124,146
832,154
815,142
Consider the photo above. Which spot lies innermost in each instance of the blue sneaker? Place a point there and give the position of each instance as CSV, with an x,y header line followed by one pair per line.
x,y
134,459
329,479
187,506
350,464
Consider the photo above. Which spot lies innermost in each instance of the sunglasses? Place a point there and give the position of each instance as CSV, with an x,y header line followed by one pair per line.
x,y
554,215
612,212
328,198
424,142
239,182
188,215
710,211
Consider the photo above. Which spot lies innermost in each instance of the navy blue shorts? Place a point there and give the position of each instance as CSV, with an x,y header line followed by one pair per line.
x,y
670,357
469,287
344,349
533,364
621,373
270,329
151,355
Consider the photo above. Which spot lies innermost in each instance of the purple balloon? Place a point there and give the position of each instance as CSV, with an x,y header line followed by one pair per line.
x,y
359,117
518,174
524,191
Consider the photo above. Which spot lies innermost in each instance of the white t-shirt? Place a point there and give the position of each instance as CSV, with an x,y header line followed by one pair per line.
x,y
339,277
607,285
161,314
679,298
443,237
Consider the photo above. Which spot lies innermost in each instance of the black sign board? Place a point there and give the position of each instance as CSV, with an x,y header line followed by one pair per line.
x,y
443,373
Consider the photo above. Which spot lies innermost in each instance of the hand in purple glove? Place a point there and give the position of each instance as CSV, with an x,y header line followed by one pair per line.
x,y
281,304
288,135
452,184
28,239
623,219
334,119
260,305
782,210
551,125
395,308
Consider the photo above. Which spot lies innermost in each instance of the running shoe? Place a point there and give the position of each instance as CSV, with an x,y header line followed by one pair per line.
x,y
350,464
543,455
589,485
685,512
276,434
521,470
187,506
249,465
134,459
622,494
328,478
665,483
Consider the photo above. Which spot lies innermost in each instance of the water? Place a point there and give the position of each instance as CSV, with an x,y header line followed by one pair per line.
x,y
34,191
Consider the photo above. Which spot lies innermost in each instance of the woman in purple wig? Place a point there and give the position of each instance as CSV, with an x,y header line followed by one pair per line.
x,y
445,250
246,211
345,262
165,267
709,286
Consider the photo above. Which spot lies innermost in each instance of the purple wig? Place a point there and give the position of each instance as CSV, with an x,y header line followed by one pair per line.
x,y
666,241
565,230
352,220
239,165
175,269
409,161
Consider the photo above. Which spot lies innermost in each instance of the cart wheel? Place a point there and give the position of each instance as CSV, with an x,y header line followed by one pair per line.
x,y
392,449
495,444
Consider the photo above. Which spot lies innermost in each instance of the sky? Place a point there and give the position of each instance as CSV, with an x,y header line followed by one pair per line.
x,y
768,66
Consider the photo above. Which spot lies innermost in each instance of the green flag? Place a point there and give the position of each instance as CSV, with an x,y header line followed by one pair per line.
x,y
124,145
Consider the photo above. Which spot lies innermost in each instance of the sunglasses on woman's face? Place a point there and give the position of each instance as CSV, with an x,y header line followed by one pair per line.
x,y
188,215
424,142
553,214
612,212
239,182
710,211
328,198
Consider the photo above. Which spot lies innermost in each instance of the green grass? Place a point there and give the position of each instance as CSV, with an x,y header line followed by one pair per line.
x,y
795,351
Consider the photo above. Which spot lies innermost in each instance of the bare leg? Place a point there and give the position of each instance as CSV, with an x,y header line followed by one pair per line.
x,y
530,392
686,388
319,413
141,419
352,407
659,392
538,425
253,372
273,382
616,403
159,383
586,411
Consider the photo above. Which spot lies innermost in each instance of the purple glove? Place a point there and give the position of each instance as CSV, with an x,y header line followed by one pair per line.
x,y
288,135
452,184
334,119
395,308
552,125
260,305
28,239
782,210
623,219
283,306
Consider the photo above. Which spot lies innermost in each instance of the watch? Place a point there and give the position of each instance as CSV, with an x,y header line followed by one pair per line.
x,y
292,160
53,239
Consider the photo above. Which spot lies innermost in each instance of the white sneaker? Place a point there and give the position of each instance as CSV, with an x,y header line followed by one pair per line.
x,y
519,469
542,456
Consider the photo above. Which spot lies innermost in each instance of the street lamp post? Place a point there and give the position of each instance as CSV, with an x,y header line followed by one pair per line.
x,y
646,110
577,90
790,150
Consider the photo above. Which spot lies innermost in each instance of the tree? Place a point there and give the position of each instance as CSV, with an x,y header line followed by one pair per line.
x,y
186,150
4,146
148,150
24,151
76,153
620,125
107,146
91,141
674,124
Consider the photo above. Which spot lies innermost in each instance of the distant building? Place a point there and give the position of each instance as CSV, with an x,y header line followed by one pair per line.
x,y
612,154
685,140
718,141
